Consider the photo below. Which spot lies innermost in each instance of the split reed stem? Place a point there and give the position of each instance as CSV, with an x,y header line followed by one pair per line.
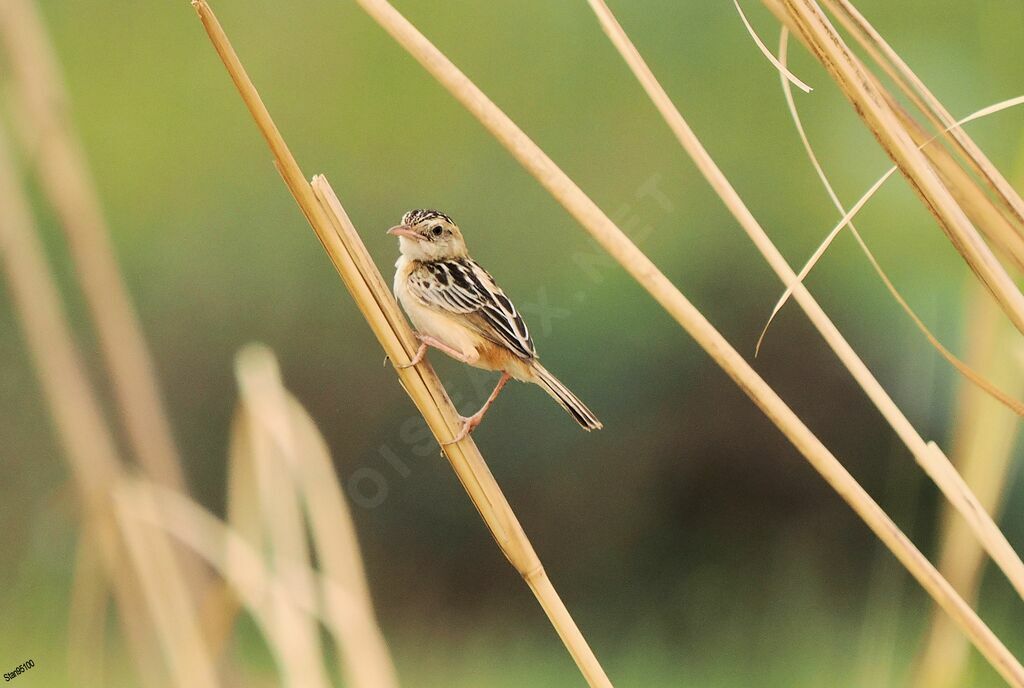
x,y
349,256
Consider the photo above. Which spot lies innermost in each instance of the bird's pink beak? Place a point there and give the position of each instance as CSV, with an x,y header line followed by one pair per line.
x,y
403,231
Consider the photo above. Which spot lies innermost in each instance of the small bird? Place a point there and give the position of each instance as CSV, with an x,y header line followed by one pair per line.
x,y
456,307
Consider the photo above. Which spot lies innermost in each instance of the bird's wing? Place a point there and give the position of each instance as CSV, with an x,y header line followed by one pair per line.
x,y
462,287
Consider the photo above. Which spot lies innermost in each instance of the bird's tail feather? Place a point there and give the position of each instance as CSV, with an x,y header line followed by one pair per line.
x,y
566,399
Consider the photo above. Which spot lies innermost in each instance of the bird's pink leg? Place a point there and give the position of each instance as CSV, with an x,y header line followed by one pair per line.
x,y
427,341
468,424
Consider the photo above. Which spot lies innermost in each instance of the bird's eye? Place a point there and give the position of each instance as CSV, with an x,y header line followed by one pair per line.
x,y
436,231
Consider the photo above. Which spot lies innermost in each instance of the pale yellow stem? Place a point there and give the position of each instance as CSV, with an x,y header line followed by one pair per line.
x,y
378,306
875,109
40,103
609,236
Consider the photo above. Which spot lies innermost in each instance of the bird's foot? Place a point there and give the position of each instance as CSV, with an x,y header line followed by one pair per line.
x,y
417,357
468,425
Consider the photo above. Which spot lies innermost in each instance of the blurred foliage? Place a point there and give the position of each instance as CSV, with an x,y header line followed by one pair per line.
x,y
694,544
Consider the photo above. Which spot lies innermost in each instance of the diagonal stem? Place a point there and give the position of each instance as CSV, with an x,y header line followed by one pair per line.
x,y
641,268
879,115
935,464
350,257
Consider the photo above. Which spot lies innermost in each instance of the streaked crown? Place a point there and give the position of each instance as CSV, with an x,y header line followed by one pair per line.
x,y
415,217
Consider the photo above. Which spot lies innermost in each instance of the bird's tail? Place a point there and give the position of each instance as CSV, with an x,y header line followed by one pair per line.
x,y
566,399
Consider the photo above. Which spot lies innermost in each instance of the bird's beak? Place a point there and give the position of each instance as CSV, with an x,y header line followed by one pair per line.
x,y
403,231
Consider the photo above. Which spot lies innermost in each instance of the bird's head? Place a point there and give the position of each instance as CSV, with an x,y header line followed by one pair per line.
x,y
429,235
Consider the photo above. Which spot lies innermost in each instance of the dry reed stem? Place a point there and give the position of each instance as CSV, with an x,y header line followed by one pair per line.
x,y
166,594
721,185
847,218
361,277
301,452
282,523
365,659
87,615
935,465
976,378
58,362
994,221
41,105
871,104
239,562
609,236
221,604
232,555
978,206
81,428
779,65
984,438
136,629
932,107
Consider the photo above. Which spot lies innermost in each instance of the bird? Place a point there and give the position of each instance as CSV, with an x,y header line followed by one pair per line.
x,y
458,308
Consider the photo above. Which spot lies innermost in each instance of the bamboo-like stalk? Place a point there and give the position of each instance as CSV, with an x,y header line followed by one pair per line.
x,y
983,449
74,407
276,418
613,240
871,104
934,464
40,105
349,256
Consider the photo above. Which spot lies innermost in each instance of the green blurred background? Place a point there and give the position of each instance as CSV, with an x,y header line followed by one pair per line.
x,y
693,544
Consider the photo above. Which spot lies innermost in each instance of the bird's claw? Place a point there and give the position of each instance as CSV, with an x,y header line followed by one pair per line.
x,y
417,357
468,425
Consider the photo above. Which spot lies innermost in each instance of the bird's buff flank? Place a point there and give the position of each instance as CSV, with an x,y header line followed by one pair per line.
x,y
457,307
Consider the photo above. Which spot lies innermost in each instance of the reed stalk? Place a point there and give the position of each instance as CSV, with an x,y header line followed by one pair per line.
x,y
267,597
364,282
914,88
641,268
984,438
74,407
282,434
934,464
871,103
40,105
87,615
996,221
281,523
847,220
968,372
174,617
261,589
